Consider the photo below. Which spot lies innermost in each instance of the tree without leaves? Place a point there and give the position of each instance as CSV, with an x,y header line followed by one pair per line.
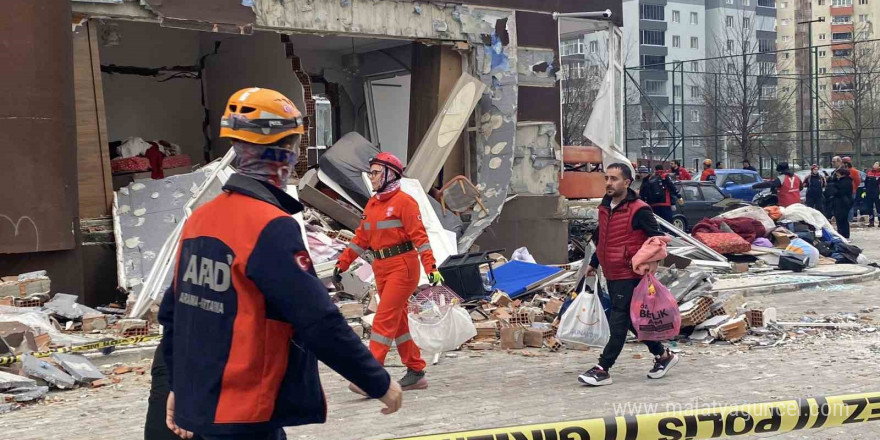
x,y
744,111
853,100
579,89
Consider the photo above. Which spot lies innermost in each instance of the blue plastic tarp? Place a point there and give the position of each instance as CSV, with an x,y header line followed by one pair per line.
x,y
514,277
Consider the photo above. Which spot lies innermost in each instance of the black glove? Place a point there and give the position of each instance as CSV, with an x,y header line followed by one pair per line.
x,y
337,276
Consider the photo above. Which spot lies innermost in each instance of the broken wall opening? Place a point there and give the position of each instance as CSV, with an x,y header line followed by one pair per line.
x,y
342,84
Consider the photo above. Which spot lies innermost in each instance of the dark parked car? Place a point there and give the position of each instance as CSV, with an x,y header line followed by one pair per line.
x,y
701,200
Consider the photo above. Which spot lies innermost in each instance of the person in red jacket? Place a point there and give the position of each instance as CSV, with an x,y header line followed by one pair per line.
x,y
680,172
786,186
708,174
392,228
246,319
625,223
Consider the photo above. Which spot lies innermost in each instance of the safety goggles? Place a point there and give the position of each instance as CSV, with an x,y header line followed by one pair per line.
x,y
261,124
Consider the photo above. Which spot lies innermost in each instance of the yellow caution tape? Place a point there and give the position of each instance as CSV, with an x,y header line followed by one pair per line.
x,y
8,360
728,421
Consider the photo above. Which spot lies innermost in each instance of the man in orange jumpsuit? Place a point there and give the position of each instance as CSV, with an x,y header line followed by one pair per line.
x,y
392,229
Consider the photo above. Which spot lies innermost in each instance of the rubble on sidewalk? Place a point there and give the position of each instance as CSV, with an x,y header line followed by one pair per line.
x,y
42,344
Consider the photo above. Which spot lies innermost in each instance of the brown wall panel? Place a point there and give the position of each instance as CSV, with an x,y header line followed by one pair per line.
x,y
38,203
539,104
435,71
95,187
535,29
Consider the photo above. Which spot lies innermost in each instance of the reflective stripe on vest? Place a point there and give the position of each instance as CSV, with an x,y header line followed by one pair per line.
x,y
357,249
425,247
389,224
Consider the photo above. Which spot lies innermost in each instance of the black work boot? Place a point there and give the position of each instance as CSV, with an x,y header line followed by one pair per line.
x,y
413,380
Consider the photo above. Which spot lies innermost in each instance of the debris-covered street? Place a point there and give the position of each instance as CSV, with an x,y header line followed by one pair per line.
x,y
469,219
495,388
486,388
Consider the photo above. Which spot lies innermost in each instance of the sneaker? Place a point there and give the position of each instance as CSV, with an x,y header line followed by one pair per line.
x,y
661,367
355,389
413,380
595,377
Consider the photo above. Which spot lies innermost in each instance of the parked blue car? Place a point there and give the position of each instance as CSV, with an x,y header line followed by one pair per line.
x,y
737,183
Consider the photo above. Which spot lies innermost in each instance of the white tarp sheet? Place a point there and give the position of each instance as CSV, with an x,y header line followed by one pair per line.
x,y
443,242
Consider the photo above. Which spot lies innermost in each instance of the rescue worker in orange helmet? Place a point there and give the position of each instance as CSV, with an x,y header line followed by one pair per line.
x,y
392,228
246,318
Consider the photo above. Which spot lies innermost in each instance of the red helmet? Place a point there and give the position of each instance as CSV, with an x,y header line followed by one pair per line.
x,y
389,160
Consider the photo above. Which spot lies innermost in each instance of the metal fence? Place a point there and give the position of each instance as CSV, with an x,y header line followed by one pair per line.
x,y
758,103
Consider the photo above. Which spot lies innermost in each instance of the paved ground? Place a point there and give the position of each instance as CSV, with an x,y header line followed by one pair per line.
x,y
488,389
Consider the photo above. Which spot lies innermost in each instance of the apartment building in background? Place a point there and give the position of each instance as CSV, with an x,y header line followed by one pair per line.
x,y
664,44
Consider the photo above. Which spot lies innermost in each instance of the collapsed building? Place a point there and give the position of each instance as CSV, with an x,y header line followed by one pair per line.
x,y
103,82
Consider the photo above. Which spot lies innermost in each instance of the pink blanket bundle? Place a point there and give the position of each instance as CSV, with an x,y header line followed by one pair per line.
x,y
649,256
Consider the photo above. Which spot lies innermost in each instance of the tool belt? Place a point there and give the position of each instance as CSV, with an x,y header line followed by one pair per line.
x,y
393,251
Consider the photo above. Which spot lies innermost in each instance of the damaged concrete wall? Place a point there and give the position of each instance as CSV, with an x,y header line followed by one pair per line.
x,y
537,67
537,159
362,17
245,61
493,35
141,106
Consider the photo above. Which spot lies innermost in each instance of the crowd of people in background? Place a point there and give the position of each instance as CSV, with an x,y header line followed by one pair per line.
x,y
839,195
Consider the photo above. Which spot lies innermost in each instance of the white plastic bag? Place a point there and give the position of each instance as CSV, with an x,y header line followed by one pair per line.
x,y
442,329
584,322
522,254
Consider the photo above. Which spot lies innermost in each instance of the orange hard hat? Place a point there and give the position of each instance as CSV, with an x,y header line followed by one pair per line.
x,y
260,116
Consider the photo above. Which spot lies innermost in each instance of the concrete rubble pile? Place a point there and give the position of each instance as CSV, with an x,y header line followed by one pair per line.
x,y
149,215
39,334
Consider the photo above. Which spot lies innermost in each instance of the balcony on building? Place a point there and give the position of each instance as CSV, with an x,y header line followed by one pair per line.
x,y
841,7
842,29
840,37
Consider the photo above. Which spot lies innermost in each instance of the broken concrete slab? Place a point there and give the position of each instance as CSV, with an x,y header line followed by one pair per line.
x,y
352,285
95,322
9,381
28,394
351,309
79,367
65,306
40,369
701,336
33,275
712,322
25,288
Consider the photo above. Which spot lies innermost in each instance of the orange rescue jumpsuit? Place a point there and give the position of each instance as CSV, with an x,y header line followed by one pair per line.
x,y
388,222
